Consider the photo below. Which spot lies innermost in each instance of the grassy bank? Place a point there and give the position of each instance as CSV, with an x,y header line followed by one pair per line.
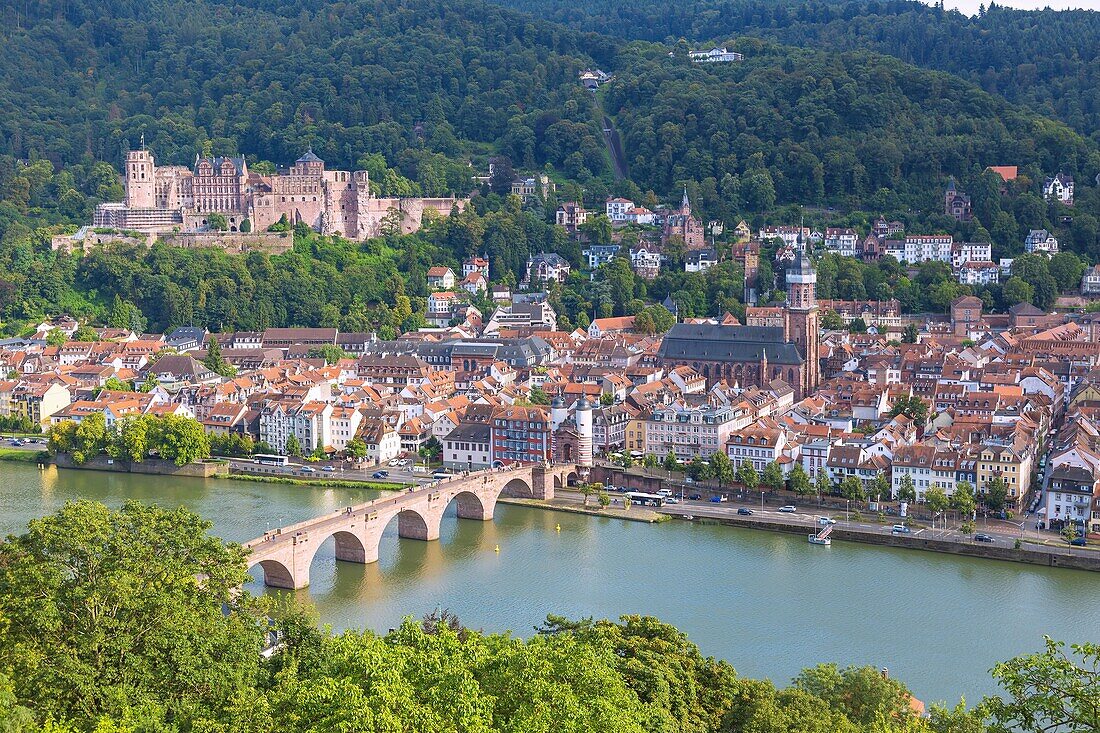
x,y
322,482
634,514
23,456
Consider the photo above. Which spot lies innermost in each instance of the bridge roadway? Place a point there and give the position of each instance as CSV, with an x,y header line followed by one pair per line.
x,y
285,554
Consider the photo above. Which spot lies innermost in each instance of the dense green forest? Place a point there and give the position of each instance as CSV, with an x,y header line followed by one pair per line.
x,y
131,621
423,92
1045,60
814,128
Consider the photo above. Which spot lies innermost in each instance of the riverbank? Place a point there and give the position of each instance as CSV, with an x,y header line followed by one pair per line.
x,y
634,514
916,541
23,456
318,482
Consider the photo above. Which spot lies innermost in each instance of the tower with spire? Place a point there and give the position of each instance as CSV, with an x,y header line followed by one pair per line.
x,y
801,319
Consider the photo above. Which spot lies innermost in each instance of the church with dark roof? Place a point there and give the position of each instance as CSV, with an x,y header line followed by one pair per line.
x,y
753,356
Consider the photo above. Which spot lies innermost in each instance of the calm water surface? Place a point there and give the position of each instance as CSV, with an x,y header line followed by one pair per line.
x,y
770,604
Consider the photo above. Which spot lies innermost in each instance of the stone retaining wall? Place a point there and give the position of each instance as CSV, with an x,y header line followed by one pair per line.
x,y
151,466
1030,555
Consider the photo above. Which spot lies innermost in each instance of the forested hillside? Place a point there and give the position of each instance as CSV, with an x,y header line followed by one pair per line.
x,y
422,92
851,129
269,78
1048,61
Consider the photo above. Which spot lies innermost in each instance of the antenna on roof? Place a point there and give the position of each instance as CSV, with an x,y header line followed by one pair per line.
x,y
143,141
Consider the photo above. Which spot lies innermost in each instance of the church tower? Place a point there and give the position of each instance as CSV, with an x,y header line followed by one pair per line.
x,y
801,318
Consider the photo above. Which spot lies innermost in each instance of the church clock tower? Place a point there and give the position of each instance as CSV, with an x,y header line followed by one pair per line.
x,y
801,318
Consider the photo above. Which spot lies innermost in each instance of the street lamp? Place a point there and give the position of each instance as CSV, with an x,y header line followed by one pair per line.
x,y
761,501
846,503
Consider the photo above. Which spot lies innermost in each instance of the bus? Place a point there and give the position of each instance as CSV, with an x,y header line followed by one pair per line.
x,y
638,497
268,459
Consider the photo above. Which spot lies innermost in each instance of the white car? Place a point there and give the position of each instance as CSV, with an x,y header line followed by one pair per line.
x,y
787,509
825,521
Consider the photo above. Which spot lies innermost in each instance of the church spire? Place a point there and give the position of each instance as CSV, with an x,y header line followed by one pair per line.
x,y
685,205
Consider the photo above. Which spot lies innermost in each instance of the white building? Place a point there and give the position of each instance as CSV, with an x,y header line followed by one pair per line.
x,y
928,247
700,260
309,422
963,252
616,209
979,273
1069,497
1059,188
1040,241
689,432
757,445
546,266
599,254
468,447
382,441
841,241
1090,282
788,234
714,56
343,425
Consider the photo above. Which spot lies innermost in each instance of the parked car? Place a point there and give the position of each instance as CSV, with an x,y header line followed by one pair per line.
x,y
718,499
696,497
787,509
328,469
899,529
744,511
380,474
1079,542
664,492
309,469
671,500
982,538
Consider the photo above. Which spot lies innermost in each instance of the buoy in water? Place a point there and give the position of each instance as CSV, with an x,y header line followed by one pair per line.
x,y
497,549
557,528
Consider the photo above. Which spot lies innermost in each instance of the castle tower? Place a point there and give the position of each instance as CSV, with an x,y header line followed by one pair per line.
x,y
584,432
140,180
801,318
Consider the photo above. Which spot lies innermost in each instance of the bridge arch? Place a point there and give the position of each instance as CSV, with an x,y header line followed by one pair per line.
x,y
518,487
275,574
350,547
471,505
415,525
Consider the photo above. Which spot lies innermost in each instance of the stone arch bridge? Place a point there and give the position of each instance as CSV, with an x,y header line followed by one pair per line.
x,y
285,554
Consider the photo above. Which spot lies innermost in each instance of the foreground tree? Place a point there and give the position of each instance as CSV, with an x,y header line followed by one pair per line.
x,y
1054,690
112,612
863,694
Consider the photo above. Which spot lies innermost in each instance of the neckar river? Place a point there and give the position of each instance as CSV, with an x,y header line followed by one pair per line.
x,y
770,604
